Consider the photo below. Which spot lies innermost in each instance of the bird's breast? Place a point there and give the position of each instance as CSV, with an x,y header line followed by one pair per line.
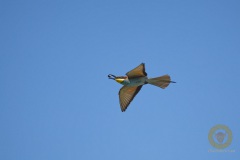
x,y
137,81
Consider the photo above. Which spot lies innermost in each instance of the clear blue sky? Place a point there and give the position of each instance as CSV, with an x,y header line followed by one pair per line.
x,y
56,102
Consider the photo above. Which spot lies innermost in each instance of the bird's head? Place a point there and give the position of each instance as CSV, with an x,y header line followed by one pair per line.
x,y
119,79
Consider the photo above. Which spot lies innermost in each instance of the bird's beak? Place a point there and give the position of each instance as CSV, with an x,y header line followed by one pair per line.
x,y
110,76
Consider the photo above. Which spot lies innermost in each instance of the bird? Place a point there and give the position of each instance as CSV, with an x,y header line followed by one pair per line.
x,y
133,82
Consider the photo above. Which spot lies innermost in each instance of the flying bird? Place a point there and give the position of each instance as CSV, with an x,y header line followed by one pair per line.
x,y
133,82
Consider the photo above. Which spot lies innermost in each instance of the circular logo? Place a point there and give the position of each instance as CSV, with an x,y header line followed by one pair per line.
x,y
220,136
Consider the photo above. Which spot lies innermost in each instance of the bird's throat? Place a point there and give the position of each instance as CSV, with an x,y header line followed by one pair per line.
x,y
119,80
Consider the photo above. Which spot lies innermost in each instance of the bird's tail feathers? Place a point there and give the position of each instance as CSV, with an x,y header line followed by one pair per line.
x,y
161,82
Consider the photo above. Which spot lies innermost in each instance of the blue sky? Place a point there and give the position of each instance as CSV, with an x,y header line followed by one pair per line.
x,y
57,102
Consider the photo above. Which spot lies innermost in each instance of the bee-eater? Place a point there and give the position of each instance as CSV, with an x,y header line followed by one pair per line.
x,y
133,82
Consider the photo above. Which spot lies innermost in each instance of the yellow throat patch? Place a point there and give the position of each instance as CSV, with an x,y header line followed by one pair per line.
x,y
119,80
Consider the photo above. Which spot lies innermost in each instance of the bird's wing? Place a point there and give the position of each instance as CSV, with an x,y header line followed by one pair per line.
x,y
126,95
139,71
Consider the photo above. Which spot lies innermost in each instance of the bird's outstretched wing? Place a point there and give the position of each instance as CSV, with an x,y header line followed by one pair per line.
x,y
126,95
139,71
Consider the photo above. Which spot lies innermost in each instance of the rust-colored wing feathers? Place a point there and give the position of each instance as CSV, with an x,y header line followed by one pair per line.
x,y
139,71
126,95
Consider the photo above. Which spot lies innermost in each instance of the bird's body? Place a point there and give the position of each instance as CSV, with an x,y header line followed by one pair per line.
x,y
133,82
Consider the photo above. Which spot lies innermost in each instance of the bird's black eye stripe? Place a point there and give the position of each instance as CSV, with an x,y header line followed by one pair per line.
x,y
121,77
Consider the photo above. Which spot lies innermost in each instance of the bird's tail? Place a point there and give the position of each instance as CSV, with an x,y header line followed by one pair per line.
x,y
161,82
